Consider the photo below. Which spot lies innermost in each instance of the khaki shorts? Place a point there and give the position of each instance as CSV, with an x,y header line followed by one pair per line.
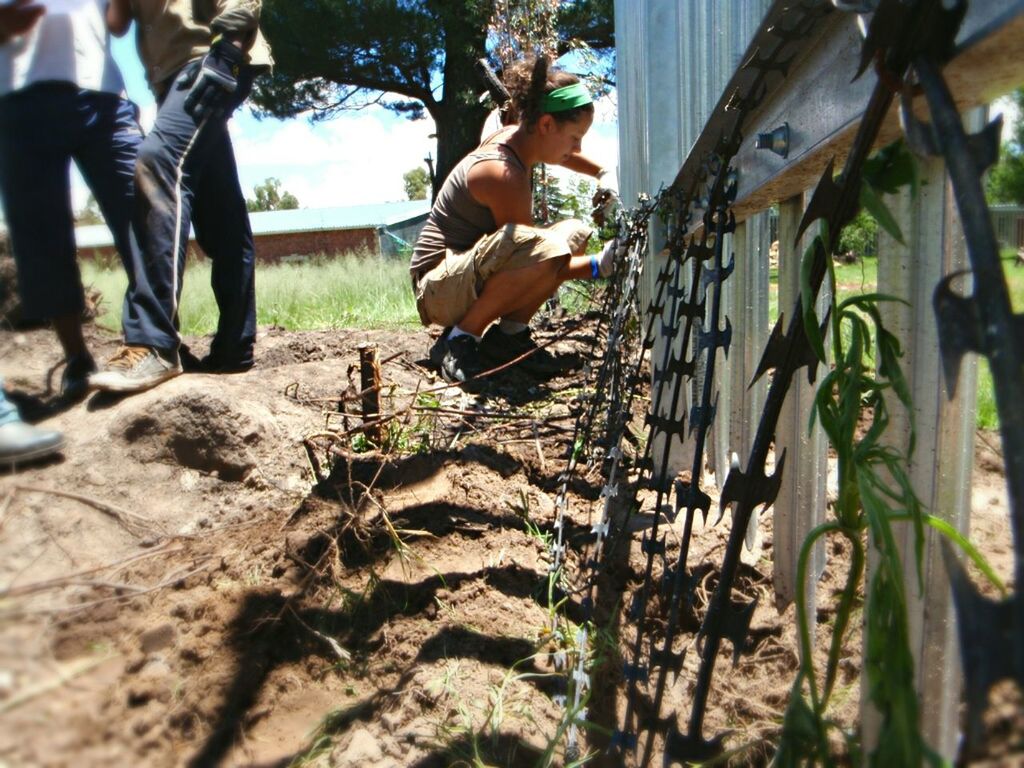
x,y
445,293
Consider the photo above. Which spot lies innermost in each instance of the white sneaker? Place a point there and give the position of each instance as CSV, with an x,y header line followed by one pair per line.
x,y
134,369
21,442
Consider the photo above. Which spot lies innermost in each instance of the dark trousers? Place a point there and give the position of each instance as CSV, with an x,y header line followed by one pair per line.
x,y
186,174
42,129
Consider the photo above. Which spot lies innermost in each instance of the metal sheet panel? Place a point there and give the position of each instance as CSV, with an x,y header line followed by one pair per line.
x,y
822,103
674,60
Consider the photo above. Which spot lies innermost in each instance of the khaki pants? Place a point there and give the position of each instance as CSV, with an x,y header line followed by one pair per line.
x,y
445,293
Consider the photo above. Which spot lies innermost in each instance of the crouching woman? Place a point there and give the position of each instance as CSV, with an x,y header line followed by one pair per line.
x,y
479,259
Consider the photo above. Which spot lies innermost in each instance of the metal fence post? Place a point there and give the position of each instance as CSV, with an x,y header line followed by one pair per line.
x,y
745,303
943,457
802,498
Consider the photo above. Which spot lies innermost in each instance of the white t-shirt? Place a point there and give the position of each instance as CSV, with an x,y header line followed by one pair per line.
x,y
70,43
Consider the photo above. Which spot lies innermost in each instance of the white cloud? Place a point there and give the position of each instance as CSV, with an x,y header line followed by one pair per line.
x,y
355,158
1010,113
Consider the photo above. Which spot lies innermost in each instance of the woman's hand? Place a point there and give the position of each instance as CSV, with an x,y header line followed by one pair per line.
x,y
606,198
19,17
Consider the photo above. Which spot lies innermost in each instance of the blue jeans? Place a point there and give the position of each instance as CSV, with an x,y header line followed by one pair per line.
x,y
42,129
187,173
8,413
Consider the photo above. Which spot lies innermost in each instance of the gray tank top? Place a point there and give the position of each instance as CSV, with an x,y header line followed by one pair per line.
x,y
456,220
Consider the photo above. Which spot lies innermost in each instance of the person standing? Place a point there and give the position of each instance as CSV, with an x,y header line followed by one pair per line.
x,y
61,100
200,58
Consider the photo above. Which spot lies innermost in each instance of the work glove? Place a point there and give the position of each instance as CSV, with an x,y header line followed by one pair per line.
x,y
606,198
214,83
613,253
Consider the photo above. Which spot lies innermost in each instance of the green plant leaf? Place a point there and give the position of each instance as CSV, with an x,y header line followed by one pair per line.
x,y
892,167
814,251
965,545
865,299
874,204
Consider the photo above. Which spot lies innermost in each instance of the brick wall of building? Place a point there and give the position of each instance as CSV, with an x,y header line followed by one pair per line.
x,y
275,247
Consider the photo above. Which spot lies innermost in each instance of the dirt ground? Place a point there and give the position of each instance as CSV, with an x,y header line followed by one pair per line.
x,y
211,576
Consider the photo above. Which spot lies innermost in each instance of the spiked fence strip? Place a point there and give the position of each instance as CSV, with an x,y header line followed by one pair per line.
x,y
903,37
610,389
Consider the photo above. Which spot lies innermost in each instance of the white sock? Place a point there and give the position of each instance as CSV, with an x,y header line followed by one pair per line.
x,y
512,326
455,332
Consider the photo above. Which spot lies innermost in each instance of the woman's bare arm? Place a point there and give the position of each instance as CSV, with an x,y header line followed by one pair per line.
x,y
119,16
583,164
504,189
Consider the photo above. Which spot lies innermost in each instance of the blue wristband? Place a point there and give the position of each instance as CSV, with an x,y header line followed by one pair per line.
x,y
595,272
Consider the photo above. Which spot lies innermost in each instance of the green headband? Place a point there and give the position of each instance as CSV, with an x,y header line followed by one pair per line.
x,y
569,97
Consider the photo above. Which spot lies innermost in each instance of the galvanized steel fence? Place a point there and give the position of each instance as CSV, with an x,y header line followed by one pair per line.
x,y
727,394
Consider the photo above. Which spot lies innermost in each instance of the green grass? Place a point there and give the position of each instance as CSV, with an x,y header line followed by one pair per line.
x,y
363,291
862,277
988,416
348,291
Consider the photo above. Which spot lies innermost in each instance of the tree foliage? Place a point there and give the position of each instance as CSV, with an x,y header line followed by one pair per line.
x,y
416,183
269,197
1006,180
411,56
860,237
555,199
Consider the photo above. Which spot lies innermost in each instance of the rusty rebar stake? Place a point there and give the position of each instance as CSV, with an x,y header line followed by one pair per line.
x,y
369,382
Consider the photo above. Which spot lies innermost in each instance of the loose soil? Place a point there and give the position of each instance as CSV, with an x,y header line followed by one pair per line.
x,y
225,571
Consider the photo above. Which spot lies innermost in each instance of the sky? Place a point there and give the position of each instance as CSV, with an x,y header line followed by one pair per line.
x,y
356,157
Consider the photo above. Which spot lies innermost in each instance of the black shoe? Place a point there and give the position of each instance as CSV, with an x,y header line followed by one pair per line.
x,y
189,362
461,361
234,360
74,382
500,348
438,348
213,364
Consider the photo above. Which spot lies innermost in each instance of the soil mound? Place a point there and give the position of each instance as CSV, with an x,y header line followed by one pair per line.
x,y
201,428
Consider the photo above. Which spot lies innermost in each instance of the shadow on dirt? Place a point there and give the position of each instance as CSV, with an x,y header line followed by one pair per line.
x,y
269,632
37,408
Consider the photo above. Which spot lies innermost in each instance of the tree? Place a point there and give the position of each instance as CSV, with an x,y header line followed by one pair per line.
x,y
269,197
552,203
416,183
1006,180
859,238
410,56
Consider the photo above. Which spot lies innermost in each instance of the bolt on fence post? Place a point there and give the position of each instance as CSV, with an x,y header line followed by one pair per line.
x,y
369,386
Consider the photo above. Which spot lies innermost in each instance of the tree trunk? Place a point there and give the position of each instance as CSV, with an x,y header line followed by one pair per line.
x,y
458,134
459,116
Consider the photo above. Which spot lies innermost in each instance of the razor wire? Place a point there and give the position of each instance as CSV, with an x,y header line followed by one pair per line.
x,y
610,390
904,40
991,631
